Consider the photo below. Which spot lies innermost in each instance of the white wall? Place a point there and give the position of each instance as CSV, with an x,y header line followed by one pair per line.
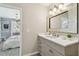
x,y
34,22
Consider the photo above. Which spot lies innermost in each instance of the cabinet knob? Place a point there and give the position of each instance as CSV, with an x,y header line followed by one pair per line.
x,y
50,50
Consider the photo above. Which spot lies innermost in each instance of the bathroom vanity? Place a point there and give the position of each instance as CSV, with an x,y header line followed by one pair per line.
x,y
64,22
57,46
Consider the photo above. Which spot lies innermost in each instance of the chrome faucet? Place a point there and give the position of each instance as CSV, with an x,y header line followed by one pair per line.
x,y
55,34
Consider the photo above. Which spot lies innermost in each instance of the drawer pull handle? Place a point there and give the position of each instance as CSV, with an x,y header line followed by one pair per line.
x,y
51,51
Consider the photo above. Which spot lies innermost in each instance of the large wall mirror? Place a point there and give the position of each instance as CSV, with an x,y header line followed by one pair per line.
x,y
65,21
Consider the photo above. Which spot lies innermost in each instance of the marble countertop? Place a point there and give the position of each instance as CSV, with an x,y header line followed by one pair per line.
x,y
61,40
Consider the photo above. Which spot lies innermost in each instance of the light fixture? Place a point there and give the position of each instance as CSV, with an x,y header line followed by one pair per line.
x,y
50,12
55,9
53,13
62,7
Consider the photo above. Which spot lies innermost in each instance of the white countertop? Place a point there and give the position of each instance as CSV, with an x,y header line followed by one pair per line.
x,y
60,40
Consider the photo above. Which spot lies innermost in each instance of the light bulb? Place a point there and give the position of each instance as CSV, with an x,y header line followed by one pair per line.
x,y
50,12
55,9
53,13
61,6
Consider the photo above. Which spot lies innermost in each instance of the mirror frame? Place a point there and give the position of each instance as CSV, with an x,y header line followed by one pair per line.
x,y
65,12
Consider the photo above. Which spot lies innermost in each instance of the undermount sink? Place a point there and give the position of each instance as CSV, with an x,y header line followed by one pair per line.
x,y
50,35
58,37
66,38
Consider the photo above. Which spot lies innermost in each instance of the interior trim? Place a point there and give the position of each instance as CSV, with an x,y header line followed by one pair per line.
x,y
32,54
77,18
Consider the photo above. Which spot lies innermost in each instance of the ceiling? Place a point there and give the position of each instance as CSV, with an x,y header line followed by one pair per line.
x,y
48,4
45,4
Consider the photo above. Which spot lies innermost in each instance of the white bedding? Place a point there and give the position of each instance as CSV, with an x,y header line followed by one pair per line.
x,y
10,52
11,42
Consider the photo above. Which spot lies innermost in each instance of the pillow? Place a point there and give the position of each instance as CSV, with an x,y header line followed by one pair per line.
x,y
11,43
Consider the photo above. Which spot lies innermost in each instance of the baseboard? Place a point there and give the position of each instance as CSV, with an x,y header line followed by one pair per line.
x,y
32,54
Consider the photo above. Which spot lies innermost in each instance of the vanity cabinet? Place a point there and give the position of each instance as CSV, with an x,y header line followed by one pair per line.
x,y
48,51
50,48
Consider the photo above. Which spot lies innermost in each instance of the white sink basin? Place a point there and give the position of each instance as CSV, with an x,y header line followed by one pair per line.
x,y
50,36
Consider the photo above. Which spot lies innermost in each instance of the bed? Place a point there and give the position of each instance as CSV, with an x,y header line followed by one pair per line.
x,y
10,47
10,52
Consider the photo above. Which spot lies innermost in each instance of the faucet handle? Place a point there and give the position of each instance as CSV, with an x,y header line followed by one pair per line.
x,y
57,35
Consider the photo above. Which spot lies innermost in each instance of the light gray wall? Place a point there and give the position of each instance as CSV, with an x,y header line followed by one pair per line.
x,y
34,22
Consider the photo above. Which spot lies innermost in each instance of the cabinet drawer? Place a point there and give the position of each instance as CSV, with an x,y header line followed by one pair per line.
x,y
55,46
47,51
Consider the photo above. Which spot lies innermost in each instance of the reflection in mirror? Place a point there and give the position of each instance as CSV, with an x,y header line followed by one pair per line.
x,y
64,21
59,22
